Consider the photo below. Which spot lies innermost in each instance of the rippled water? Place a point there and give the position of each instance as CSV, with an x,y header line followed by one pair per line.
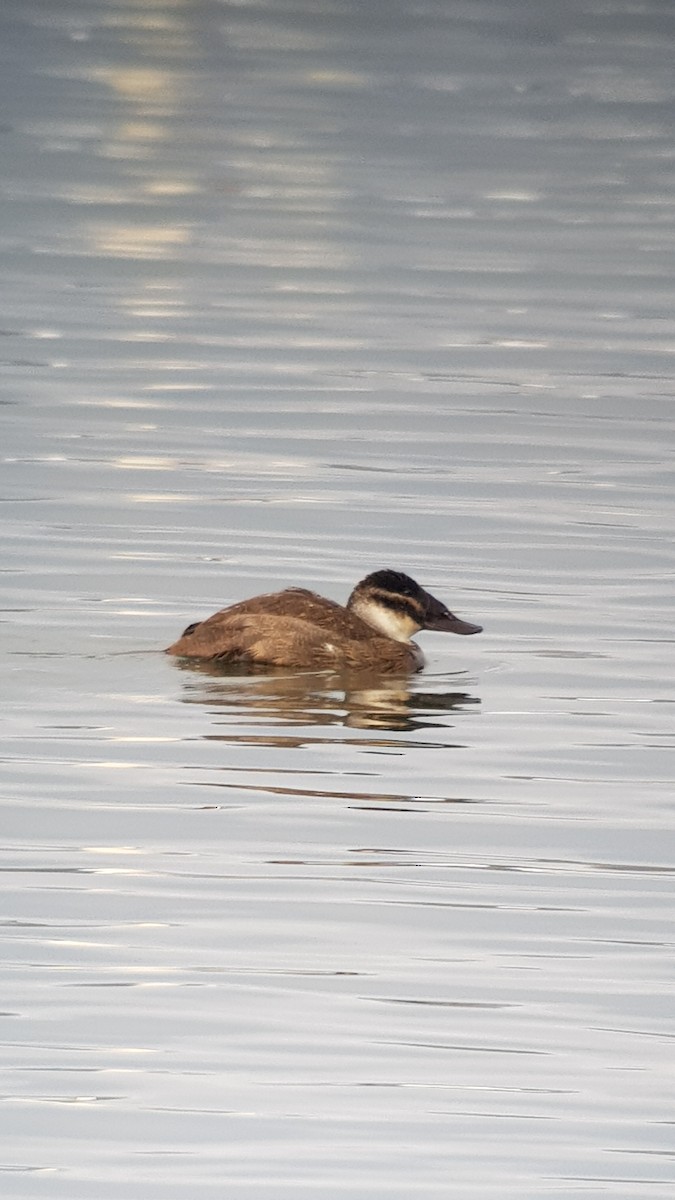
x,y
293,292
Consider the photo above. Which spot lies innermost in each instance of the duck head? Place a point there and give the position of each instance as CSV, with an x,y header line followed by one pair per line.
x,y
397,606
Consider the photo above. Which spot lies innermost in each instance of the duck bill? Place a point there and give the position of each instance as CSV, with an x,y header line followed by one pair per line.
x,y
447,622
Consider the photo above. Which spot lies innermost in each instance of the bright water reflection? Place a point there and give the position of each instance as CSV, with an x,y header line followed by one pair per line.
x,y
294,292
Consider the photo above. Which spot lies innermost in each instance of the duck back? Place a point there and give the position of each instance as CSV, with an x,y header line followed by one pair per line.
x,y
293,628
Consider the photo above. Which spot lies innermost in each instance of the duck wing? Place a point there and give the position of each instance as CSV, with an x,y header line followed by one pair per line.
x,y
287,616
259,638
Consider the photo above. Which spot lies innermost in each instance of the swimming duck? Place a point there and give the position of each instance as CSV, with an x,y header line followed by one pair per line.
x,y
297,628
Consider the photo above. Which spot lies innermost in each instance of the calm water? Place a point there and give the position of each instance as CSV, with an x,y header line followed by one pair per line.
x,y
293,291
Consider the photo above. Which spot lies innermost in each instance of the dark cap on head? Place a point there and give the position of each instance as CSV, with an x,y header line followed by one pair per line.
x,y
392,581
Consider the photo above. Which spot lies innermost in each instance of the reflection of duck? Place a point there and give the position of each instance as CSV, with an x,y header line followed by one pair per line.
x,y
294,702
297,628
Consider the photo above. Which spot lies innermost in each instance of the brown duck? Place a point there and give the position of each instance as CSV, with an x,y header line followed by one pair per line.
x,y
297,628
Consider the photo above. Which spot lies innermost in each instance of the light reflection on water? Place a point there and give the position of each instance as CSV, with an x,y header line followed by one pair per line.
x,y
293,295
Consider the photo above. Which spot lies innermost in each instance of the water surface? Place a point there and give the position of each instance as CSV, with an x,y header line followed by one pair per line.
x,y
294,292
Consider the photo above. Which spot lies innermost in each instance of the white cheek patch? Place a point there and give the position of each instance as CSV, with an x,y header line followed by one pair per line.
x,y
396,625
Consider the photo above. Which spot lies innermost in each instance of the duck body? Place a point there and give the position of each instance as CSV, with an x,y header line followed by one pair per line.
x,y
298,628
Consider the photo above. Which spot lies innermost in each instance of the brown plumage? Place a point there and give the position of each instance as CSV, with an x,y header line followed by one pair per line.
x,y
297,628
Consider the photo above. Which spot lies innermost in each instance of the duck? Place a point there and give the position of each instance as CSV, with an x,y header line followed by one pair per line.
x,y
296,628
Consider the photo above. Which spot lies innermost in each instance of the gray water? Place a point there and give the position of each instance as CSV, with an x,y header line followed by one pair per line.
x,y
295,291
